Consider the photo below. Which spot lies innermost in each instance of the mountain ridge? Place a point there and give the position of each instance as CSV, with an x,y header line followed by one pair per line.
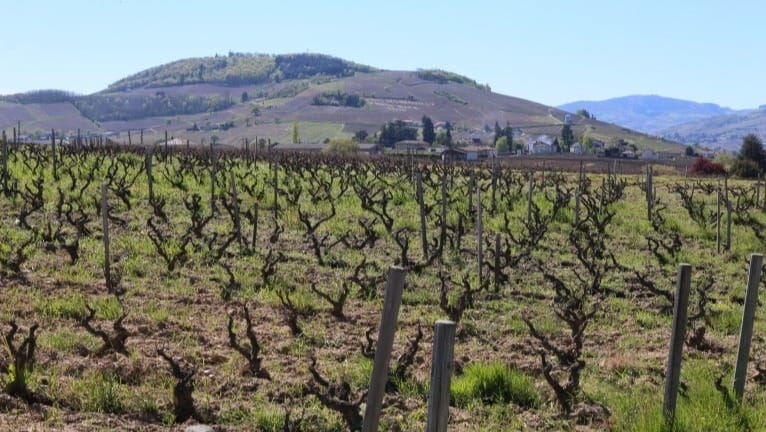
x,y
245,95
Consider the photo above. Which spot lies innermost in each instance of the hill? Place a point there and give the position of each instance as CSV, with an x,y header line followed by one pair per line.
x,y
724,132
230,98
647,113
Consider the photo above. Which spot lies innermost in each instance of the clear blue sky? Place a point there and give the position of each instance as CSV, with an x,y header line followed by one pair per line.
x,y
548,51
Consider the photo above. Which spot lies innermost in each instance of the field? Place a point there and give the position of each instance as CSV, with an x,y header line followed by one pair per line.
x,y
564,326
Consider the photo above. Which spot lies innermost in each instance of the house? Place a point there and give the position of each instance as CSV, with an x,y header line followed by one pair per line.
x,y
540,148
469,153
576,148
363,148
649,154
629,154
411,146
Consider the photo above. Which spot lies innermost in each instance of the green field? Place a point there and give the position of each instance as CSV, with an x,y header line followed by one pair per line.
x,y
196,252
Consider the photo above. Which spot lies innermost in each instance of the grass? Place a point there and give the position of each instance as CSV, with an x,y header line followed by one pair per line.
x,y
502,387
494,383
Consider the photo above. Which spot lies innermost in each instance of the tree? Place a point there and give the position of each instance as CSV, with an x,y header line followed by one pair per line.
x,y
214,139
395,131
582,112
567,138
752,149
360,136
498,132
448,134
294,133
690,151
341,146
428,130
244,97
502,145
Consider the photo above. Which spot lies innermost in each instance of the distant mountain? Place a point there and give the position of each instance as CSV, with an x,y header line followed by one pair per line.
x,y
243,96
650,114
724,132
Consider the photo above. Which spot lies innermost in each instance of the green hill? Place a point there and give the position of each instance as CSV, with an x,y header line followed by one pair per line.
x,y
230,98
238,69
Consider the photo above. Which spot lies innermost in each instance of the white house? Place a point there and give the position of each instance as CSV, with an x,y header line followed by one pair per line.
x,y
649,154
576,148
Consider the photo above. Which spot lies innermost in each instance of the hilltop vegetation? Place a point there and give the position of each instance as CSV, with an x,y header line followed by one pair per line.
x,y
240,69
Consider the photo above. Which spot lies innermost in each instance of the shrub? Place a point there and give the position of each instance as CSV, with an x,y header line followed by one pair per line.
x,y
704,166
745,168
494,383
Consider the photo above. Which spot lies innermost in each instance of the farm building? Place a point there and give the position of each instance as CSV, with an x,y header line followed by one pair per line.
x,y
413,146
469,153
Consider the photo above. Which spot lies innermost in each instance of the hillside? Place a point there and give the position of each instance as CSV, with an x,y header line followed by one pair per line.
x,y
247,95
647,113
725,131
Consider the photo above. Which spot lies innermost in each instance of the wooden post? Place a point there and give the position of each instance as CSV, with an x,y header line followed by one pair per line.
x,y
757,189
497,262
130,143
5,162
529,196
53,153
677,336
150,179
718,218
276,191
494,185
471,187
728,225
441,374
142,137
421,203
105,231
746,329
235,198
166,143
213,173
479,235
443,232
577,208
386,334
649,190
255,226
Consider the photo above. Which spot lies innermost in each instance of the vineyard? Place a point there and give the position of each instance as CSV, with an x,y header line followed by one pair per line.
x,y
147,288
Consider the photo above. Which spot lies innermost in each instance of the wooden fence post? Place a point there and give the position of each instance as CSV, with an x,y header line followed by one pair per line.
x,y
386,334
213,176
5,162
421,203
105,231
441,374
235,199
529,196
728,212
149,178
130,143
443,228
53,152
479,234
746,329
758,191
497,262
677,336
718,218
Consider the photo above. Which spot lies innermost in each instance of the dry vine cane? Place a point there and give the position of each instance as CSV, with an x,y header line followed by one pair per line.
x,y
251,353
336,397
183,403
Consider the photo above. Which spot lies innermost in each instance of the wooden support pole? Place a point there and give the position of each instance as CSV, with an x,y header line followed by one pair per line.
x,y
388,322
421,204
746,328
213,176
441,374
105,235
497,262
235,203
479,236
130,142
53,153
255,226
142,137
758,191
148,165
718,219
530,192
5,162
677,336
443,231
276,191
166,143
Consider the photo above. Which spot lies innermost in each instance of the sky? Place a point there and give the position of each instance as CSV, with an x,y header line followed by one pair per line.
x,y
551,52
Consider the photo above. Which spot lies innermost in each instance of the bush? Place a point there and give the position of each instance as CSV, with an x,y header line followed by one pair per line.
x,y
494,383
745,168
704,166
341,146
